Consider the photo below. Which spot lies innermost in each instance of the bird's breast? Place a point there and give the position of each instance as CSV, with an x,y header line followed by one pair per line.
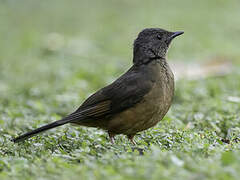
x,y
151,109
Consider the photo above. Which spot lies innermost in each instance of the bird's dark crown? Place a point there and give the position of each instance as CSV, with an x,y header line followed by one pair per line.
x,y
152,43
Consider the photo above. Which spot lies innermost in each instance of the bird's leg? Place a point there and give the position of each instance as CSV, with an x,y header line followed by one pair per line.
x,y
130,137
111,136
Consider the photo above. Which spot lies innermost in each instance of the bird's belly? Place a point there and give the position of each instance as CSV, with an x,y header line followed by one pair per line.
x,y
145,114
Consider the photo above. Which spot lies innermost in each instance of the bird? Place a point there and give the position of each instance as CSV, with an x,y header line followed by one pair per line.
x,y
134,102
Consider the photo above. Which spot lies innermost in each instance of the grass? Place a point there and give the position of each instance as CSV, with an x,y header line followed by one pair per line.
x,y
54,54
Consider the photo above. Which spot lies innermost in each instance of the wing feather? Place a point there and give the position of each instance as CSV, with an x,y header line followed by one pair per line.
x,y
124,93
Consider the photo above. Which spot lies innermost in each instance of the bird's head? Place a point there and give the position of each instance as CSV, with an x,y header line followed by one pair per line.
x,y
152,43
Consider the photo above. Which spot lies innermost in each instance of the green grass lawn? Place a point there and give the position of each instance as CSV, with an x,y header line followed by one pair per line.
x,y
54,54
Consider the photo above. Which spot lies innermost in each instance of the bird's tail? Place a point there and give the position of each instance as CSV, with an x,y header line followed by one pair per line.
x,y
63,121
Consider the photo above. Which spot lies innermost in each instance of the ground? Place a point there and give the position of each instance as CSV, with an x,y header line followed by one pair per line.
x,y
54,54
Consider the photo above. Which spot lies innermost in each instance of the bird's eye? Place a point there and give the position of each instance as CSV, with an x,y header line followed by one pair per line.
x,y
159,37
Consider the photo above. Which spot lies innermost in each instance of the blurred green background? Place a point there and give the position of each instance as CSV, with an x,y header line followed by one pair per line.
x,y
59,41
54,54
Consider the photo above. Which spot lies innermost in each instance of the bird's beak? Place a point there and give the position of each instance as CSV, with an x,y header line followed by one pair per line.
x,y
175,34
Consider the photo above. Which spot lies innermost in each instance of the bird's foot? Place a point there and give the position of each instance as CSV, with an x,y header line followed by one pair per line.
x,y
131,138
111,136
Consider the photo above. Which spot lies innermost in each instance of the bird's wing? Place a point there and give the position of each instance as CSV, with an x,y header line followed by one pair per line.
x,y
124,93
